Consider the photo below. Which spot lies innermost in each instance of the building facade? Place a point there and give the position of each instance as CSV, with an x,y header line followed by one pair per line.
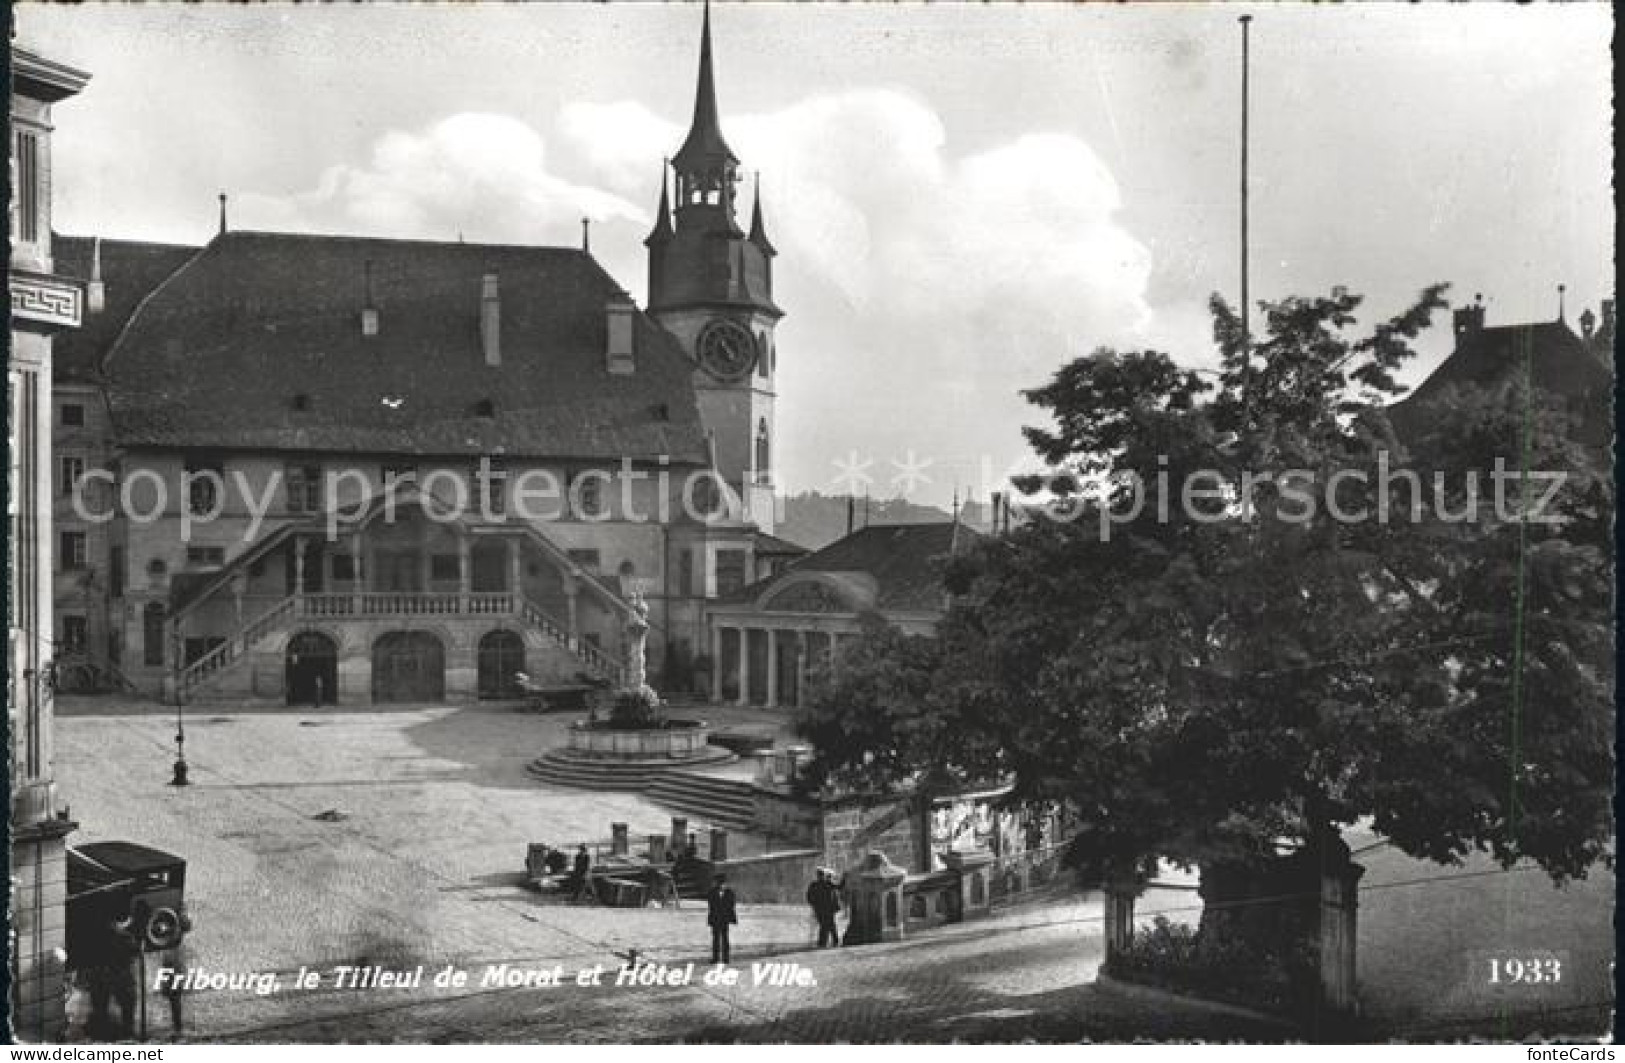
x,y
767,639
359,470
43,304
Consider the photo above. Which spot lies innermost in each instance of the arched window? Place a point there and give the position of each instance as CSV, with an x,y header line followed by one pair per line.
x,y
764,454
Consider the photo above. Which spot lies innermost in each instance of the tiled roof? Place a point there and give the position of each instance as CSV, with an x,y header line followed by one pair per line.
x,y
1560,363
903,560
130,270
256,343
772,545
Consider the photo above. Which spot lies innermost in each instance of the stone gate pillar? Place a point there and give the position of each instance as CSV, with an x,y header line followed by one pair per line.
x,y
1339,908
875,898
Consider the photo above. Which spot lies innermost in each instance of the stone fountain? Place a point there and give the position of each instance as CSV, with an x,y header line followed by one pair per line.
x,y
624,748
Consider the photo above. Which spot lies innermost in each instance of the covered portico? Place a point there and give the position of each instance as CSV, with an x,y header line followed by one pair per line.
x,y
766,649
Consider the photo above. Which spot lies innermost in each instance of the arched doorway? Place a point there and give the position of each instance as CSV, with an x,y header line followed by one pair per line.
x,y
312,664
501,654
408,666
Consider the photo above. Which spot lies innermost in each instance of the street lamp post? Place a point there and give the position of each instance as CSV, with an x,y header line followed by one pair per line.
x,y
180,778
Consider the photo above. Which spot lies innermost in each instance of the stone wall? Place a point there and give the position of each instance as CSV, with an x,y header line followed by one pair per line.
x,y
855,827
773,878
781,815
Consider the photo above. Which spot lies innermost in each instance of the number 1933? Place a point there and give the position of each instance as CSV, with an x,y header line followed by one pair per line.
x,y
1514,970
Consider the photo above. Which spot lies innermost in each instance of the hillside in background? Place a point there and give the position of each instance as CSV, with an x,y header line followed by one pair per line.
x,y
815,520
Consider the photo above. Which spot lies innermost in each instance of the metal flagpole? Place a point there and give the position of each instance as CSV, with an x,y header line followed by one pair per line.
x,y
1246,305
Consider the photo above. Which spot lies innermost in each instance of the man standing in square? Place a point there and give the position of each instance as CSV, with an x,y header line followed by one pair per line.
x,y
721,913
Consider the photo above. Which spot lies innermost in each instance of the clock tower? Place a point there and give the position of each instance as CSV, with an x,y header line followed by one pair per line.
x,y
711,286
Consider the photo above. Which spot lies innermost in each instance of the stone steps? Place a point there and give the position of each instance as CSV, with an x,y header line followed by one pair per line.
x,y
726,803
564,768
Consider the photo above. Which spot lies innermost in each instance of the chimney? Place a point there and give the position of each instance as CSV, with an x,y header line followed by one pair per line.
x,y
222,213
96,291
618,345
1605,331
1469,320
1588,324
491,320
369,309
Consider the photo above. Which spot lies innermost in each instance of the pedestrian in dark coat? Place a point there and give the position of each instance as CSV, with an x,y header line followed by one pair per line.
x,y
721,912
825,900
579,873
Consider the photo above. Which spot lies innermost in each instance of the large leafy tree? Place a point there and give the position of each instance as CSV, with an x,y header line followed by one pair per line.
x,y
1242,623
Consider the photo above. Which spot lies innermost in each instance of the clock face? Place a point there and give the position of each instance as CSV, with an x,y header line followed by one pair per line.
x,y
727,350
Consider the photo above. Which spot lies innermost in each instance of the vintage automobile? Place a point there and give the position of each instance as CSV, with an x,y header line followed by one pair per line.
x,y
123,895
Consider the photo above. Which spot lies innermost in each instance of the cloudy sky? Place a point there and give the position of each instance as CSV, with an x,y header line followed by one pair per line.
x,y
963,196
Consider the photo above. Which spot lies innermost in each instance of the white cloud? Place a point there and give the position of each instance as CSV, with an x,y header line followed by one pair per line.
x,y
485,176
621,142
906,269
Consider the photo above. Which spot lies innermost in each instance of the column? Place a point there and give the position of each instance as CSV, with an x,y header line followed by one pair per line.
x,y
772,668
299,546
716,663
801,669
356,547
516,585
465,572
744,667
572,590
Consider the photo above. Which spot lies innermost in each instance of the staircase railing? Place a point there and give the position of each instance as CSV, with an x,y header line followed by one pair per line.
x,y
235,645
369,604
594,657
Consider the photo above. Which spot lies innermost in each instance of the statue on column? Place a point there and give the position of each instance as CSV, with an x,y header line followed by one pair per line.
x,y
636,704
637,642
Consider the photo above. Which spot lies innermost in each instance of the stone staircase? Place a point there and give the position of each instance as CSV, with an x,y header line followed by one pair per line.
x,y
563,767
727,803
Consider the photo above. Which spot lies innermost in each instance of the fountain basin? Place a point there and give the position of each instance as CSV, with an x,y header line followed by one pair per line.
x,y
677,739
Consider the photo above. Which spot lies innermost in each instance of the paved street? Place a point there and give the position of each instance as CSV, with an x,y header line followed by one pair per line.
x,y
421,867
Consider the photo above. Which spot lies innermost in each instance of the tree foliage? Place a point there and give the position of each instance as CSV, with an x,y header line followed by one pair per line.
x,y
1335,627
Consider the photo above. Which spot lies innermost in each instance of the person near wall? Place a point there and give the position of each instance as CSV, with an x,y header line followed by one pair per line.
x,y
578,875
721,913
824,897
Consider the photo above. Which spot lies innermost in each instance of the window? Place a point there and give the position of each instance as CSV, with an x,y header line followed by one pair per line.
x,y
156,567
493,478
70,468
730,570
74,635
764,454
587,491
445,568
304,488
203,489
206,555
587,559
344,567
73,415
152,635
27,201
685,572
398,470
72,550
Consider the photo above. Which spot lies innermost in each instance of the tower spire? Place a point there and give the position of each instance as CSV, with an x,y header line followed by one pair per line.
x,y
758,232
662,231
704,143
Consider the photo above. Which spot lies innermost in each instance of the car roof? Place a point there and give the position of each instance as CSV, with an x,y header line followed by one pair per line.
x,y
128,857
